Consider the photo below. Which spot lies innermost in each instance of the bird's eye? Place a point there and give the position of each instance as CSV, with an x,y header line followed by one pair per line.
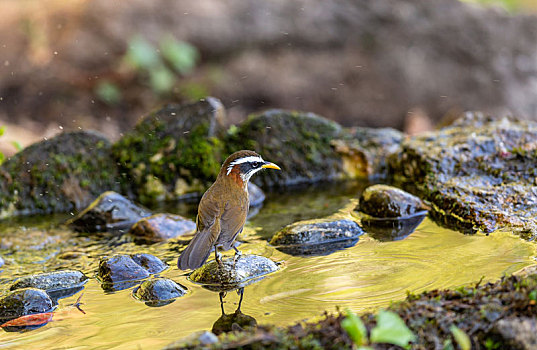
x,y
256,164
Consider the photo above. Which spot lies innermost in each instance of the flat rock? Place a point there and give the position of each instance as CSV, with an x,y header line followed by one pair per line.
x,y
64,173
478,174
383,201
317,237
23,302
232,275
158,290
52,281
173,152
161,227
110,211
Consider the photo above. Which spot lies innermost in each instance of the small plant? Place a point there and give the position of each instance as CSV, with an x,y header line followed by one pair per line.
x,y
390,329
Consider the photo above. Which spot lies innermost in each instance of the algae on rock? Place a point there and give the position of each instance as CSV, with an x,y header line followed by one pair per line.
x,y
478,174
173,152
62,174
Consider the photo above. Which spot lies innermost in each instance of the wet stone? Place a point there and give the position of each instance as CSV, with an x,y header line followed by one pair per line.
x,y
121,268
383,201
109,212
516,333
159,291
149,262
52,281
232,275
317,237
22,302
161,227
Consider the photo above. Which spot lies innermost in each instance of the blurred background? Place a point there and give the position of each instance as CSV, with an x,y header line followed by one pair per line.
x,y
408,64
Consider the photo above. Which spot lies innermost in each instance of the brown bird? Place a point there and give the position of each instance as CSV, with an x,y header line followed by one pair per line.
x,y
223,209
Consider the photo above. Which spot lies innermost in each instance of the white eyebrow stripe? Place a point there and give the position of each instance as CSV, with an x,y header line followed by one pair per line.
x,y
243,160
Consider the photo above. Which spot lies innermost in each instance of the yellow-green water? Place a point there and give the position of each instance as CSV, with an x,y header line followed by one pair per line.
x,y
367,276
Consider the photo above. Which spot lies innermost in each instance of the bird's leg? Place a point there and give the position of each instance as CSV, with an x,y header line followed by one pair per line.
x,y
222,295
217,256
237,256
240,291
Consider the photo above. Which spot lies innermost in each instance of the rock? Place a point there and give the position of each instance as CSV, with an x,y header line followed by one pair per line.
x,y
518,333
161,227
173,152
365,150
23,302
159,291
62,174
383,201
231,275
52,281
478,174
298,142
193,340
110,211
317,237
236,321
123,271
149,262
255,194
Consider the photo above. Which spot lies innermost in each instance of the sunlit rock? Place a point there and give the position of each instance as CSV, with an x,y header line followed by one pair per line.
x,y
383,201
149,262
159,291
62,174
109,212
52,281
233,274
173,152
22,302
478,173
317,237
161,227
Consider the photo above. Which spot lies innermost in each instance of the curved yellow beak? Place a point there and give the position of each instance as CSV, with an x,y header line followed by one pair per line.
x,y
269,165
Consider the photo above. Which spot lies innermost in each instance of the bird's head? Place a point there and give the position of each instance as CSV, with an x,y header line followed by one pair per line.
x,y
241,165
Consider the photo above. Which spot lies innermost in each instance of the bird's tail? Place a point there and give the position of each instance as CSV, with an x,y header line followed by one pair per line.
x,y
197,252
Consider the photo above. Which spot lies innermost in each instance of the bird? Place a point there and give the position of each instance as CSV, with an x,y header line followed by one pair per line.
x,y
223,209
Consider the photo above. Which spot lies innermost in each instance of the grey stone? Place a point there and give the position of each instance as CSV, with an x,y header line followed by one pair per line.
x,y
161,227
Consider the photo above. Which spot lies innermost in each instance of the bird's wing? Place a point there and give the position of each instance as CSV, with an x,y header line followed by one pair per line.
x,y
232,222
208,230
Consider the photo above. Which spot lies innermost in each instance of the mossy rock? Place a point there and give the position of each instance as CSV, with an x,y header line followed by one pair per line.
x,y
300,143
233,274
236,321
23,302
478,174
159,291
64,173
172,153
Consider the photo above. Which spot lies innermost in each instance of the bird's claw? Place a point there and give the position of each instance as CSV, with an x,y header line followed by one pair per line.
x,y
237,256
219,258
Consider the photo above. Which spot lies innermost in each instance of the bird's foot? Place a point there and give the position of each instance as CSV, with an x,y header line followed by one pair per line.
x,y
218,257
237,256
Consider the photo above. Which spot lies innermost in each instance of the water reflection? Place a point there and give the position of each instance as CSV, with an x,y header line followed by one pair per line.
x,y
317,249
236,321
392,229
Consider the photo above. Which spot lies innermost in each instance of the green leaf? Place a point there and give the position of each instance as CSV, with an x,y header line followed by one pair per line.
x,y
533,295
141,54
2,130
181,55
355,328
2,157
17,145
108,93
391,329
462,339
161,79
